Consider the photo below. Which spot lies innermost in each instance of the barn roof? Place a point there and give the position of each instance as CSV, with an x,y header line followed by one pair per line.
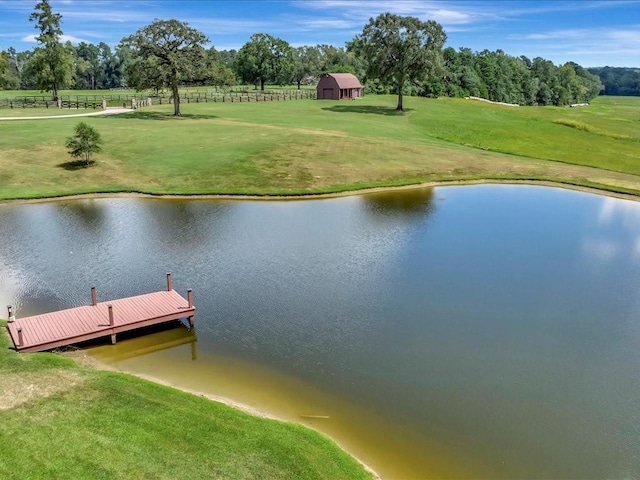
x,y
346,80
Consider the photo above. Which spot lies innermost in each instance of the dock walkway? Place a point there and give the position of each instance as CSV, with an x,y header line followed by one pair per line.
x,y
101,319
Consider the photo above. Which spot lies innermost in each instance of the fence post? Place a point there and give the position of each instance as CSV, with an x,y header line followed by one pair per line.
x,y
190,302
113,335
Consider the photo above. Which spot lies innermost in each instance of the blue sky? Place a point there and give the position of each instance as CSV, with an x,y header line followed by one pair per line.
x,y
589,32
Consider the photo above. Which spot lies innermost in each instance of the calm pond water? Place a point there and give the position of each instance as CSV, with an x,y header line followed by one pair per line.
x,y
458,332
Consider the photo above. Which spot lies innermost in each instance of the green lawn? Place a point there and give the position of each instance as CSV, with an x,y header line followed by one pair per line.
x,y
43,112
59,420
311,146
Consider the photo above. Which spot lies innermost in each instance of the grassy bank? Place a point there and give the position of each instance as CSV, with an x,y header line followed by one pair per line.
x,y
59,420
310,146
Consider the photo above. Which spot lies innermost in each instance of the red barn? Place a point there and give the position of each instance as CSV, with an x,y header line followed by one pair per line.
x,y
337,86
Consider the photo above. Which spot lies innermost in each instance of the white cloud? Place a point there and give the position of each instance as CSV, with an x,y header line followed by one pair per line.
x,y
326,23
227,25
358,12
112,14
17,5
627,36
630,35
625,211
72,39
603,249
450,17
553,35
63,39
618,224
617,45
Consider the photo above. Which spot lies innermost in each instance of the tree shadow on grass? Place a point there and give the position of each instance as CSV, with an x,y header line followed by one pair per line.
x,y
76,165
369,109
146,115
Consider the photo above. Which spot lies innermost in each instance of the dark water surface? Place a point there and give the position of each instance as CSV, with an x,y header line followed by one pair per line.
x,y
477,331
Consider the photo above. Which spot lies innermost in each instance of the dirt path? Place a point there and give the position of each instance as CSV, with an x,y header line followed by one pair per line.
x,y
108,111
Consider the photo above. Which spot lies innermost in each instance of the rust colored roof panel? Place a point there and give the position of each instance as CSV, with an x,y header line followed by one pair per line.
x,y
346,80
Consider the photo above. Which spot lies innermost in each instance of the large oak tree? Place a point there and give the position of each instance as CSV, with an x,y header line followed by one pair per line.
x,y
399,49
265,59
306,64
163,53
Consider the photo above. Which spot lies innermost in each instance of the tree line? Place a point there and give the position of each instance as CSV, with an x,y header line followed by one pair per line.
x,y
100,67
619,80
393,54
500,77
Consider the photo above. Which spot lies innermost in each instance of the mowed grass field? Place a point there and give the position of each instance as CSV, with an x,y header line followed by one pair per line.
x,y
60,420
311,146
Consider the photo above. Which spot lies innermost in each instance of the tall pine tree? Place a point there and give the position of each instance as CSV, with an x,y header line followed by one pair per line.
x,y
52,65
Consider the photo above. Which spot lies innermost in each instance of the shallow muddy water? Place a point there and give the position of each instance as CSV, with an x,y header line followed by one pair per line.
x,y
477,331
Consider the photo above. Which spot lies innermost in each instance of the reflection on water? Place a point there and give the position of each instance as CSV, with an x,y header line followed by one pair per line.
x,y
89,214
143,342
414,202
486,332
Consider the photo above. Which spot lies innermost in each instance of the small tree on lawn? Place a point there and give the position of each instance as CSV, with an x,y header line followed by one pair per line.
x,y
85,142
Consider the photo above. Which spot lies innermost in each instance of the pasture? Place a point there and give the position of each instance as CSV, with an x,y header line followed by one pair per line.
x,y
311,146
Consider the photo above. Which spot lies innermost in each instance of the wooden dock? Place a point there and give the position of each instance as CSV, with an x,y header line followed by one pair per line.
x,y
100,319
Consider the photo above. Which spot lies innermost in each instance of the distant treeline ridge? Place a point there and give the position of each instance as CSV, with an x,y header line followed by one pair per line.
x,y
493,75
618,80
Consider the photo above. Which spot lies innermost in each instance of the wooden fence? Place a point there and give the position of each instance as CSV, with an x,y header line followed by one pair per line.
x,y
117,100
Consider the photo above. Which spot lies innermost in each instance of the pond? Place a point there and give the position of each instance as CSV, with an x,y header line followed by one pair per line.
x,y
487,331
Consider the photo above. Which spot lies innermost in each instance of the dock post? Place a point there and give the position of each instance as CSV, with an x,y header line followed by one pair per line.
x,y
94,297
190,300
11,317
20,342
169,283
113,335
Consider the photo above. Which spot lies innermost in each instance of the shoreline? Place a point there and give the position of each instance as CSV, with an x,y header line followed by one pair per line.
x,y
82,358
87,361
319,196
